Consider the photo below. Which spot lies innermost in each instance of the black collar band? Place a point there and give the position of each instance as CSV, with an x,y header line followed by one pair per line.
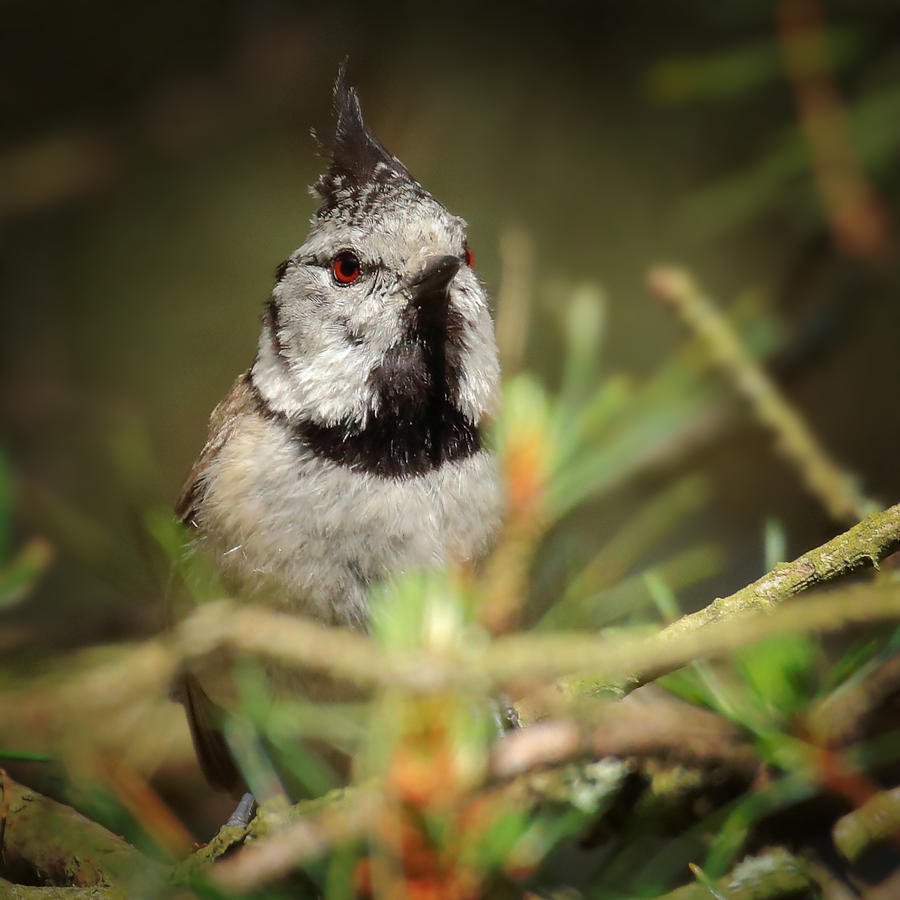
x,y
393,444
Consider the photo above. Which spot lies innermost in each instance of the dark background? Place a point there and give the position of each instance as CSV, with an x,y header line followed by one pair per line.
x,y
154,159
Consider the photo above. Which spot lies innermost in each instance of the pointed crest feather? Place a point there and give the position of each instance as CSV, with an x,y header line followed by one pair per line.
x,y
357,156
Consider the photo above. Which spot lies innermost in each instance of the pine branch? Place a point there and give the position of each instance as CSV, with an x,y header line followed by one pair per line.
x,y
866,543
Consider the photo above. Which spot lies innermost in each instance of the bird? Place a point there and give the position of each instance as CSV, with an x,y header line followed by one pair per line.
x,y
353,448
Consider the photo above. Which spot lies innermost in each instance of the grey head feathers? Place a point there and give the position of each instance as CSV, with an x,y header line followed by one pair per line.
x,y
392,372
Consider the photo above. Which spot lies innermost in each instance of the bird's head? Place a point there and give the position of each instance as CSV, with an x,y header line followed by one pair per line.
x,y
378,318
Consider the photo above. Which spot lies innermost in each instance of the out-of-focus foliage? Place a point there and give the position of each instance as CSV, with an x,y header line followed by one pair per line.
x,y
446,823
431,755
145,228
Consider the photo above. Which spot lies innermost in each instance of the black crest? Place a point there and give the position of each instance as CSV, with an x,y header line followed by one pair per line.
x,y
357,157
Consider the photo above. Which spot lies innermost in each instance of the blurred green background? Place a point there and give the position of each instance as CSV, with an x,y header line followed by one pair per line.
x,y
154,163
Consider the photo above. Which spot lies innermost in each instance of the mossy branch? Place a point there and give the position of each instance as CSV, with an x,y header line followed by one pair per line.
x,y
10,891
866,543
69,850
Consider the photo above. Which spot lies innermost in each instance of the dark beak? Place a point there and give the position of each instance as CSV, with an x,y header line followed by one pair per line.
x,y
431,286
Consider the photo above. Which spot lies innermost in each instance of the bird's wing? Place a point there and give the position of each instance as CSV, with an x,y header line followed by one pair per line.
x,y
222,422
204,716
205,720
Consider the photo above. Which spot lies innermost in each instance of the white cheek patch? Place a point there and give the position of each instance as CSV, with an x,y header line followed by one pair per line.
x,y
327,386
479,385
332,383
331,342
479,366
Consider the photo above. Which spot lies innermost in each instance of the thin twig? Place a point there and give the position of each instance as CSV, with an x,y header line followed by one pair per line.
x,y
664,728
282,851
533,658
770,875
545,743
291,640
834,486
145,804
838,719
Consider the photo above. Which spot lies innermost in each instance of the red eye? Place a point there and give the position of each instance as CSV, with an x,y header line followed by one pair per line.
x,y
470,257
345,267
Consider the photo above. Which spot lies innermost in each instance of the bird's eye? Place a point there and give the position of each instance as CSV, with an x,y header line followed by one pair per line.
x,y
470,257
345,267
